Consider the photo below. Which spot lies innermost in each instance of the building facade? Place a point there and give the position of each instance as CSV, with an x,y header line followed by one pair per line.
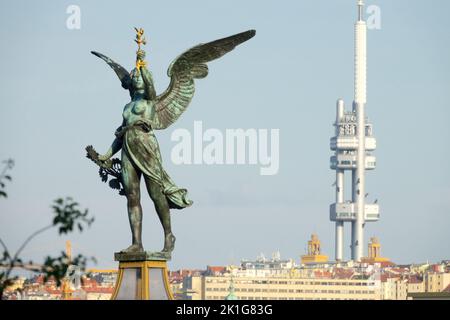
x,y
282,288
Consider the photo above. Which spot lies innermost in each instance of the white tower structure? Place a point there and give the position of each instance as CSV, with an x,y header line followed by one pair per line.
x,y
352,144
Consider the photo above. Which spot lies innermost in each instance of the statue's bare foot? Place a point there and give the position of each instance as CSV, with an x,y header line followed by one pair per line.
x,y
133,248
169,243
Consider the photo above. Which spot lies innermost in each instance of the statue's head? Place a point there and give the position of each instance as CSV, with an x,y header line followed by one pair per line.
x,y
137,82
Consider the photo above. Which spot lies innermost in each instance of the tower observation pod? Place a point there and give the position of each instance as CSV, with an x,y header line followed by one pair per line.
x,y
352,144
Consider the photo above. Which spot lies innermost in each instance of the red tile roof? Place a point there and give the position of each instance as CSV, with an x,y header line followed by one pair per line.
x,y
99,290
385,264
323,274
385,276
215,269
415,279
343,273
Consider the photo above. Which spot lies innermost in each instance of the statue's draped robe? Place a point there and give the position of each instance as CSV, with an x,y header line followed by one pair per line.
x,y
142,149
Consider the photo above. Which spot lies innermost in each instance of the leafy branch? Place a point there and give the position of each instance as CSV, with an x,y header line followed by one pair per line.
x,y
67,215
110,167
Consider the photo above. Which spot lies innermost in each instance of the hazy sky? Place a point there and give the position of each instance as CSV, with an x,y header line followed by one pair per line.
x,y
56,98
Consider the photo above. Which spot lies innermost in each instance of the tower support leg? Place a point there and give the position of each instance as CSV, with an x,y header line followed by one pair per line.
x,y
339,240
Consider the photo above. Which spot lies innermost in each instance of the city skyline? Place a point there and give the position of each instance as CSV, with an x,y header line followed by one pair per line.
x,y
265,279
292,73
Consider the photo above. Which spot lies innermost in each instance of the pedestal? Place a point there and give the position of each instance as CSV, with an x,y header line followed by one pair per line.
x,y
142,276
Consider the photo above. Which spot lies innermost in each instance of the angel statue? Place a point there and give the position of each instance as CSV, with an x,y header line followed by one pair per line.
x,y
145,113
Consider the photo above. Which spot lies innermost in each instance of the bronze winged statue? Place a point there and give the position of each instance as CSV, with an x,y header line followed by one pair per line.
x,y
145,113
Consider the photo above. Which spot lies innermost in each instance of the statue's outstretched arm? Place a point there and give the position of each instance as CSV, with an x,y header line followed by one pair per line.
x,y
141,64
148,80
115,147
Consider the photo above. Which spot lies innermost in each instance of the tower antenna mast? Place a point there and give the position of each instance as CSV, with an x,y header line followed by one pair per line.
x,y
352,144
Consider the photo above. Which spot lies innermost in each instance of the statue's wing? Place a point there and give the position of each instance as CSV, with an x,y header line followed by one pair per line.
x,y
184,69
121,72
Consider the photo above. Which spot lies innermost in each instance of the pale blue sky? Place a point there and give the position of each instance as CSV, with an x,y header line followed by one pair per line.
x,y
56,98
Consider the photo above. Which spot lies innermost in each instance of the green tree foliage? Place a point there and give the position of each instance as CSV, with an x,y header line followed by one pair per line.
x,y
67,217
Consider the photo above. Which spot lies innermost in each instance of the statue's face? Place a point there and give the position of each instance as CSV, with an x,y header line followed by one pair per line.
x,y
137,81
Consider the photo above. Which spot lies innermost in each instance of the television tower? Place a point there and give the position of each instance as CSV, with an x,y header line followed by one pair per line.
x,y
352,144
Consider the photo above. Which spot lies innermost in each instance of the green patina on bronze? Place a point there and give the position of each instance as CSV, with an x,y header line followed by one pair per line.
x,y
146,112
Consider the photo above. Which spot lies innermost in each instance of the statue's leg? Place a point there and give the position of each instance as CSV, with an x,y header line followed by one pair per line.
x,y
163,211
131,177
